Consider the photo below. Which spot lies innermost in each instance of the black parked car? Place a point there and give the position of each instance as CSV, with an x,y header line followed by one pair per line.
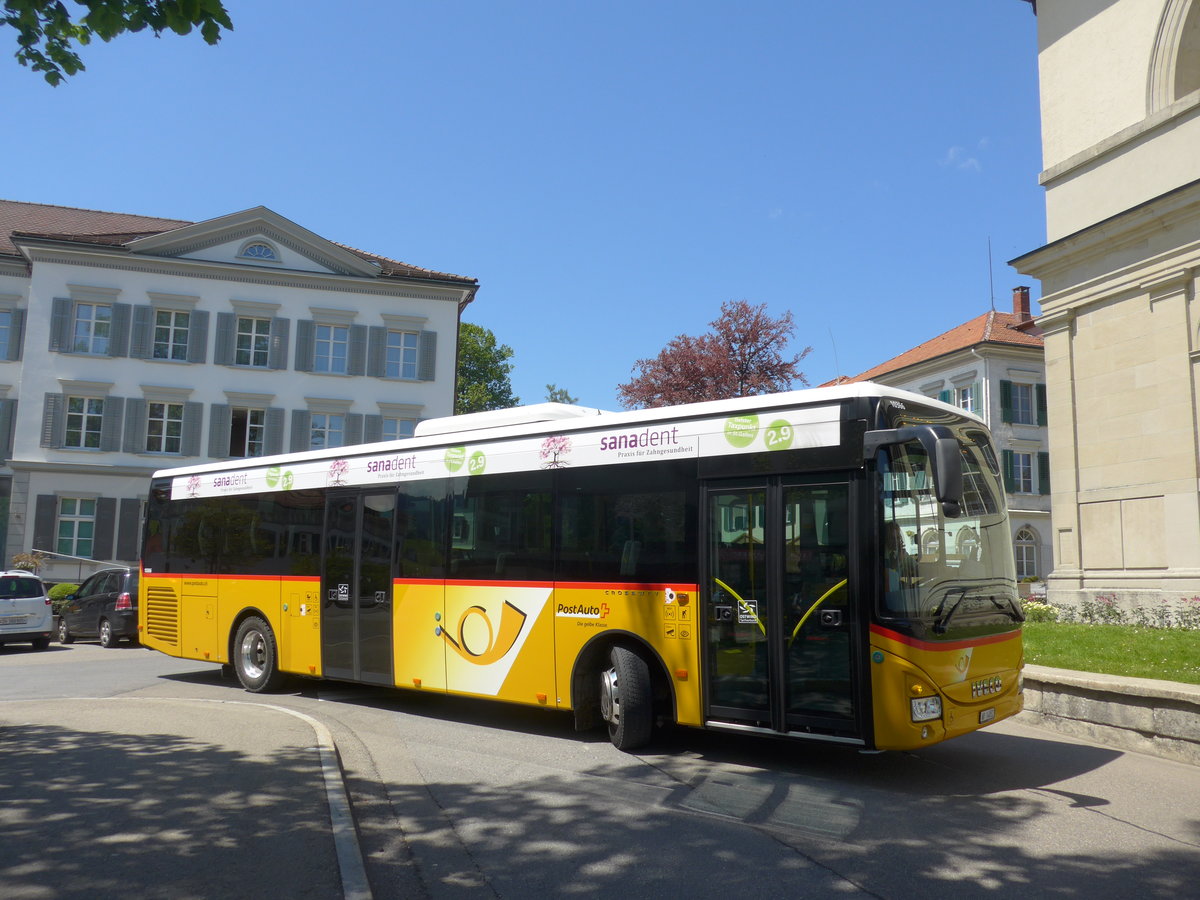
x,y
104,607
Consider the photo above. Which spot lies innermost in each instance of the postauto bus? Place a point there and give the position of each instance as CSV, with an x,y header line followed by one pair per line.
x,y
831,565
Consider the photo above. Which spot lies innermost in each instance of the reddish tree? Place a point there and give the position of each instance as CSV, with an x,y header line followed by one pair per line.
x,y
740,357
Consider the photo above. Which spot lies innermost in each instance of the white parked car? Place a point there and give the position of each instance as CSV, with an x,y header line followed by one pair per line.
x,y
25,614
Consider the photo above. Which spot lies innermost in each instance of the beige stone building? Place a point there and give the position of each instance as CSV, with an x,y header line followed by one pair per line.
x,y
1120,107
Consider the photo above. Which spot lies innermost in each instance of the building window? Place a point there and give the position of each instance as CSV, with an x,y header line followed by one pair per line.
x,y
93,328
76,526
6,321
332,348
164,427
259,250
964,397
253,346
1022,404
394,429
1025,548
1022,473
84,418
326,430
248,430
171,334
401,354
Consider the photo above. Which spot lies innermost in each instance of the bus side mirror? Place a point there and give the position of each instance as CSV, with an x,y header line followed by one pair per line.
x,y
941,446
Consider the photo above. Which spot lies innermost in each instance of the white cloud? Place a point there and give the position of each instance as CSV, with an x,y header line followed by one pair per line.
x,y
958,158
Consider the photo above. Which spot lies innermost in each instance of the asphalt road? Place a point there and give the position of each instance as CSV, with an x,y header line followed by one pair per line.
x,y
457,798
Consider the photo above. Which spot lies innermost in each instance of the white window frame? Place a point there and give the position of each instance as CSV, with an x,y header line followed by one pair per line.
x,y
402,354
1024,404
252,345
1025,552
86,421
96,336
398,427
1023,474
168,331
251,441
328,339
78,516
326,430
964,397
164,427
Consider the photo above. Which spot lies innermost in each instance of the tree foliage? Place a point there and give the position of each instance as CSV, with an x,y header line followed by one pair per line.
x,y
555,394
741,356
483,371
48,31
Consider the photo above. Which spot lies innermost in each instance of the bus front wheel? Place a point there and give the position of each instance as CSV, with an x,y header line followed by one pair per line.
x,y
255,658
626,699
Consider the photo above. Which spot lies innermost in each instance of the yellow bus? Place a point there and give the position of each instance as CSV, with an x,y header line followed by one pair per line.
x,y
831,564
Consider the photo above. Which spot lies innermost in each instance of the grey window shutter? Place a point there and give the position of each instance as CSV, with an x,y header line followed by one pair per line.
x,y
60,325
278,354
376,346
220,426
45,518
136,411
226,340
141,344
193,421
110,423
106,528
8,413
356,362
129,522
53,420
197,351
372,429
306,344
118,342
427,365
273,440
301,426
354,429
16,334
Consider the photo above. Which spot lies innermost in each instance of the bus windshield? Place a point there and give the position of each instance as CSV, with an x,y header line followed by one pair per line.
x,y
946,574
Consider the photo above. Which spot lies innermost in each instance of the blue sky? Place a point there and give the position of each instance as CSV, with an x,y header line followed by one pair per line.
x,y
611,172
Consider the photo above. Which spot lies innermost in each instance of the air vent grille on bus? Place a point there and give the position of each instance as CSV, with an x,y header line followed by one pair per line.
x,y
162,614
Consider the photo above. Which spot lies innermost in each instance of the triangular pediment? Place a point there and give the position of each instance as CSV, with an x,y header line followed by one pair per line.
x,y
255,237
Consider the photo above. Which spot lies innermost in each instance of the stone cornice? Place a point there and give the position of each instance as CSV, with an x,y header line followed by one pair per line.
x,y
90,468
105,258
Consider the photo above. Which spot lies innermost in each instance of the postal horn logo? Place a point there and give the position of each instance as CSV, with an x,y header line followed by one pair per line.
x,y
478,640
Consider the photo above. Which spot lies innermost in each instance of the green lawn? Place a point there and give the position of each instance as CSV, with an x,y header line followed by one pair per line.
x,y
1170,654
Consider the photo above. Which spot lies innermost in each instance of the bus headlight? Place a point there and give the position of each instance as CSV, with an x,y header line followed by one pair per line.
x,y
926,708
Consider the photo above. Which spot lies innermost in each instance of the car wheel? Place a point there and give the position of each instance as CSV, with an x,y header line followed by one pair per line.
x,y
42,643
626,699
64,634
254,657
108,640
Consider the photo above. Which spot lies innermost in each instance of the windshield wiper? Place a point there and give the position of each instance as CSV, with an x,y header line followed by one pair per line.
x,y
1012,609
943,622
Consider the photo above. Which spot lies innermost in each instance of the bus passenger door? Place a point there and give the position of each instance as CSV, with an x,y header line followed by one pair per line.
x,y
779,649
356,586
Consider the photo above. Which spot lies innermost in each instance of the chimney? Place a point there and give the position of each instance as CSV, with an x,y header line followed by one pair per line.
x,y
1021,304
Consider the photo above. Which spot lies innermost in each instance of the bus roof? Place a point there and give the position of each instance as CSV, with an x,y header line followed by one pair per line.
x,y
541,418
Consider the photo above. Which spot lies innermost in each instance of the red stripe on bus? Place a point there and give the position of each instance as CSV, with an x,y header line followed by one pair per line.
x,y
948,645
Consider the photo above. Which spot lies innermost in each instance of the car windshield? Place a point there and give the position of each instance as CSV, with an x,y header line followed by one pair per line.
x,y
17,588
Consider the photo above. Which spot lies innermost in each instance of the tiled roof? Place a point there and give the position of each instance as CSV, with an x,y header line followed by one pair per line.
x,y
116,229
989,328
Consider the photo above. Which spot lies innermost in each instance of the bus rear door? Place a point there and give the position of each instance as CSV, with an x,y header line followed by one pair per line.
x,y
780,648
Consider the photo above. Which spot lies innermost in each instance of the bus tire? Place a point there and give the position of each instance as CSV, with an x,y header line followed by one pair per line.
x,y
626,699
255,658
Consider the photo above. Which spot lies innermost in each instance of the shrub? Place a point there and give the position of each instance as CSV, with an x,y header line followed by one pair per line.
x,y
1036,611
58,594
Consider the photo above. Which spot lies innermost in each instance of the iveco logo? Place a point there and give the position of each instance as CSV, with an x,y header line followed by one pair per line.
x,y
987,686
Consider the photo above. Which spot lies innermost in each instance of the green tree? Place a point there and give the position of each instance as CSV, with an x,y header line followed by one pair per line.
x,y
483,371
555,394
48,31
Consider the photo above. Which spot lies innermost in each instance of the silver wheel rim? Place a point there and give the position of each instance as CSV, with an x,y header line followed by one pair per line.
x,y
610,697
105,633
254,654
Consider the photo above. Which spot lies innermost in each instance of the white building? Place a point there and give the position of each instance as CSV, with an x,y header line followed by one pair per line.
x,y
130,344
994,367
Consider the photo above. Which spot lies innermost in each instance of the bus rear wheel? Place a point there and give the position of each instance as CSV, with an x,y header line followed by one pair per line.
x,y
255,658
626,699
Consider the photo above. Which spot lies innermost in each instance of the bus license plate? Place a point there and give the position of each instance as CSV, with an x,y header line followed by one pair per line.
x,y
12,620
987,715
